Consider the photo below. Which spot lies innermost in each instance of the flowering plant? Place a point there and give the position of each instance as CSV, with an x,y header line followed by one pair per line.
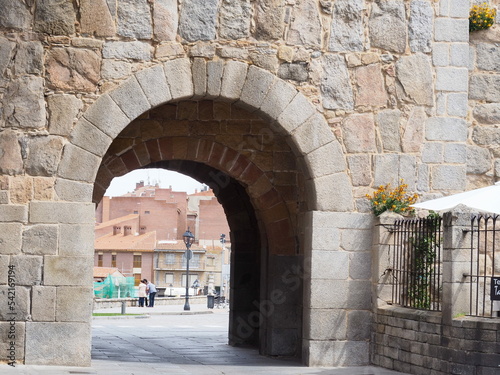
x,y
396,200
481,17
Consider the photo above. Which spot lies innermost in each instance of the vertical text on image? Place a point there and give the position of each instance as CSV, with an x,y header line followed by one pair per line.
x,y
11,304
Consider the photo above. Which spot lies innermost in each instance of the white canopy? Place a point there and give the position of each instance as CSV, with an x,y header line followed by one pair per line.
x,y
485,199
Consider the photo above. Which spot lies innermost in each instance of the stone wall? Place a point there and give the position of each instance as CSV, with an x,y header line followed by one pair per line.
x,y
362,92
416,342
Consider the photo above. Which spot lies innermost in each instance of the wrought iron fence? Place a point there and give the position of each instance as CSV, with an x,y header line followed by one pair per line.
x,y
416,263
483,278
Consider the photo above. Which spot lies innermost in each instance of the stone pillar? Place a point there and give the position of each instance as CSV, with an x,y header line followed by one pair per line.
x,y
337,288
382,261
456,263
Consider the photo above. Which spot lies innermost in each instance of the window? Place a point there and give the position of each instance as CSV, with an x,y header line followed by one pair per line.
x,y
194,262
113,260
211,261
192,279
169,278
147,212
137,261
136,212
99,260
137,278
169,259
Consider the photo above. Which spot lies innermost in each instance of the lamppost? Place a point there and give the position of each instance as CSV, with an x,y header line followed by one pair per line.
x,y
188,241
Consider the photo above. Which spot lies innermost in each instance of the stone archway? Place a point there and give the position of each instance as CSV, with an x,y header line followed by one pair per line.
x,y
288,114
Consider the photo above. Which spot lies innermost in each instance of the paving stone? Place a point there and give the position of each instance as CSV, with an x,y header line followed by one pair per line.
x,y
134,19
40,239
387,25
420,26
346,33
197,20
305,27
44,154
335,85
55,17
234,19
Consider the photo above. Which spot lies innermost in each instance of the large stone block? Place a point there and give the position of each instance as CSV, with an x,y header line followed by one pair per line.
x,y
76,240
415,75
154,84
256,87
20,310
63,110
6,50
487,113
340,294
134,19
44,154
387,25
338,353
78,164
43,303
455,153
432,152
359,133
73,69
29,59
166,19
452,79
420,26
23,103
384,169
359,324
413,131
96,18
296,113
40,239
107,116
11,339
312,134
335,85
179,78
457,104
294,71
113,69
233,79
326,201
11,161
446,129
360,265
488,57
90,138
305,28
127,50
448,177
360,168
61,212
15,14
130,98
28,269
485,87
479,160
346,33
356,240
328,159
55,17
10,238
388,123
332,265
73,191
215,69
325,324
197,20
487,136
370,86
234,19
68,271
4,264
200,77
74,304
277,99
451,30
64,344
13,212
269,20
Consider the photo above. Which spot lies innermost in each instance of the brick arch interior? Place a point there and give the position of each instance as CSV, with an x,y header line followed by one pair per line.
x,y
255,176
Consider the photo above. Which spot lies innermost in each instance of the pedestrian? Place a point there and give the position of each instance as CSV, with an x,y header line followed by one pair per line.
x,y
151,290
142,293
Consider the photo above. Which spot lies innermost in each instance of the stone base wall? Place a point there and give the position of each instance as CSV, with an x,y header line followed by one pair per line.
x,y
416,342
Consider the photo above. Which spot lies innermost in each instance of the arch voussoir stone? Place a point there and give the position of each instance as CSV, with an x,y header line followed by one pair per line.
x,y
78,164
131,98
312,134
233,79
90,138
255,88
153,82
107,116
179,78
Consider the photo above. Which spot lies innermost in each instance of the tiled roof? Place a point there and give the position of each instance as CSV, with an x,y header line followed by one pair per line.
x,y
105,271
143,242
117,221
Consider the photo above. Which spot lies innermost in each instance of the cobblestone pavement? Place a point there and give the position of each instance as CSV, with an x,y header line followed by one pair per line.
x,y
170,342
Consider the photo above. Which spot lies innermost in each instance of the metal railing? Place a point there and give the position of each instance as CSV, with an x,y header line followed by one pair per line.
x,y
484,269
416,263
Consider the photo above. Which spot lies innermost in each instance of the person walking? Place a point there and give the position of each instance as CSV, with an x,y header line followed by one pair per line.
x,y
151,290
142,293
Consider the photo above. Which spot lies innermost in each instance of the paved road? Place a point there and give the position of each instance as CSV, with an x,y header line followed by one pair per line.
x,y
177,344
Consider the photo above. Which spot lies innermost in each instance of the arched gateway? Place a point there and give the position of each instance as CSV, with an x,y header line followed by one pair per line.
x,y
280,175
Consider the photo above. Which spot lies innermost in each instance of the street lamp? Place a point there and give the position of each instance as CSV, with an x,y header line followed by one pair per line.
x,y
188,241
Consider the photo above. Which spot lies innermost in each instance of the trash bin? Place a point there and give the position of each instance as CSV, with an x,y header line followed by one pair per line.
x,y
210,301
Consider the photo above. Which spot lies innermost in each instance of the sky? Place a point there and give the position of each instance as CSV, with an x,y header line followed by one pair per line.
x,y
179,182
